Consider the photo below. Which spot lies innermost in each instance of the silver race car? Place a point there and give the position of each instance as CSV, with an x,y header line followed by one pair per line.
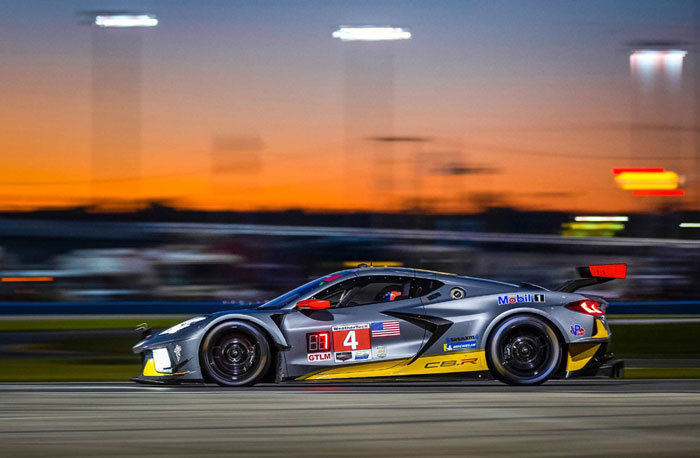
x,y
379,323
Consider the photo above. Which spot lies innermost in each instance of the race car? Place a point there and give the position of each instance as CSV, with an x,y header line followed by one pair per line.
x,y
382,323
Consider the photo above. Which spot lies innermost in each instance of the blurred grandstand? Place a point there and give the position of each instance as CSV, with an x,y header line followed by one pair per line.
x,y
176,255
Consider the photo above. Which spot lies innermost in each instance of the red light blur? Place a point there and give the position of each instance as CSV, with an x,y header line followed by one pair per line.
x,y
619,170
659,192
586,306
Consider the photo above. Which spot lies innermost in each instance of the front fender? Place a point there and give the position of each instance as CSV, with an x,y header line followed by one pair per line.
x,y
263,319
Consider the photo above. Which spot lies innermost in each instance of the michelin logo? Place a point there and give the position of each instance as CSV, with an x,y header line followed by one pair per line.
x,y
520,298
460,343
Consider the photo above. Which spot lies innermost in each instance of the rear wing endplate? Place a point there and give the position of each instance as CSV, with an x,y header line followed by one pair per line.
x,y
594,275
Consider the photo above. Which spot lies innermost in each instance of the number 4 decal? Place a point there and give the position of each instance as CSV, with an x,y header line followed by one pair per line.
x,y
351,337
350,340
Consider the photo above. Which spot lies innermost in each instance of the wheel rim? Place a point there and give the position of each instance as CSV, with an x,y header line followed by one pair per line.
x,y
526,351
234,355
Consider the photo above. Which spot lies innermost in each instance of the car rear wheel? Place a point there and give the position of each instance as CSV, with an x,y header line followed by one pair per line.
x,y
523,350
235,353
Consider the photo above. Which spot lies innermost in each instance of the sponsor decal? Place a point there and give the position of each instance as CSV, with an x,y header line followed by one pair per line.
x,y
460,343
363,354
520,298
351,337
343,356
360,355
385,329
577,330
457,293
314,357
452,362
177,351
380,352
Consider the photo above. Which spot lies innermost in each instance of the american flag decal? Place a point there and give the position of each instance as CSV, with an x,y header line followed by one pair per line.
x,y
385,329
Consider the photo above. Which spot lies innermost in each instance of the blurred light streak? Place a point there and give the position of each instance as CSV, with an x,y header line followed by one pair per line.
x,y
126,20
618,171
592,229
647,180
689,225
594,226
25,279
659,192
601,218
371,33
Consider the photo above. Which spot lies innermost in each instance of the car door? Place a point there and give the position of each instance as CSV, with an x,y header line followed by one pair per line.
x,y
359,328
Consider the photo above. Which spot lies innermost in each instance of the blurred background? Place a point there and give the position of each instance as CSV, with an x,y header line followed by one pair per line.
x,y
166,159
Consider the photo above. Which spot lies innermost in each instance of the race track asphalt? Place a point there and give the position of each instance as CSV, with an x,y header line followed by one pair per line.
x,y
562,418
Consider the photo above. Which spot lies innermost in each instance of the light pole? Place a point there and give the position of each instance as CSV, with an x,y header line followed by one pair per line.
x,y
658,102
369,110
116,102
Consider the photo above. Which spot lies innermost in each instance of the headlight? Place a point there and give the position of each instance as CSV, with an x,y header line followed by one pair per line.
x,y
183,325
161,359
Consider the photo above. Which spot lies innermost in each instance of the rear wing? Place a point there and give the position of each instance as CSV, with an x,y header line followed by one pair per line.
x,y
594,275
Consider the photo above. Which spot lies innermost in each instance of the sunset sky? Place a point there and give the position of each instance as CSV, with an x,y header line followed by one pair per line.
x,y
537,95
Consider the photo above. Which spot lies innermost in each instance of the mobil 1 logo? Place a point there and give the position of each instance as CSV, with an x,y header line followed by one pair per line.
x,y
520,298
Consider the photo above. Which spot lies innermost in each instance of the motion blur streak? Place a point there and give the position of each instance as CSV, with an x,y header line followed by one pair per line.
x,y
121,21
647,180
371,33
601,218
659,192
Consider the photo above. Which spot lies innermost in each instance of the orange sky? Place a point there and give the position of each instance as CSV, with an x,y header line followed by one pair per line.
x,y
506,111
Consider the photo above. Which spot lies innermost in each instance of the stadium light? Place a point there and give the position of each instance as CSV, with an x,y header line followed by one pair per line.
x,y
652,56
689,225
126,20
371,33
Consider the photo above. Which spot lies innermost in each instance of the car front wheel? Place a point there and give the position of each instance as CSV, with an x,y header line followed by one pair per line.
x,y
235,353
523,350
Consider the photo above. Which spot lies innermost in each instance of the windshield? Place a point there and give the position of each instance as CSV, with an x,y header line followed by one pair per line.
x,y
296,293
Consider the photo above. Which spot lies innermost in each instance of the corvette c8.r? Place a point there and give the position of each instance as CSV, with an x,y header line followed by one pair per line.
x,y
379,323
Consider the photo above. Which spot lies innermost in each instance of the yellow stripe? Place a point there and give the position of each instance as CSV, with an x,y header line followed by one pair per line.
x,y
438,364
601,332
149,370
579,354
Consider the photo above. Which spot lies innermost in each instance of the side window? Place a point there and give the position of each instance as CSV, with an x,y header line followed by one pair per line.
x,y
338,294
367,290
423,286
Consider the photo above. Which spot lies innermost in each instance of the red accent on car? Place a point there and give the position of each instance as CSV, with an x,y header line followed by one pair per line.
x,y
609,270
588,307
333,277
313,304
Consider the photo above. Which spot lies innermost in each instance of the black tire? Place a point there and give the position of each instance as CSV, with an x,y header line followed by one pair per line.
x,y
523,350
235,353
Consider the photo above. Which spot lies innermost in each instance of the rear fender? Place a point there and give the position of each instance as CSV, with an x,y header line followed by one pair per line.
x,y
525,311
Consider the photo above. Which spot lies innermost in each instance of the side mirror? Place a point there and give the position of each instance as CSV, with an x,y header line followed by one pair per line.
x,y
313,304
